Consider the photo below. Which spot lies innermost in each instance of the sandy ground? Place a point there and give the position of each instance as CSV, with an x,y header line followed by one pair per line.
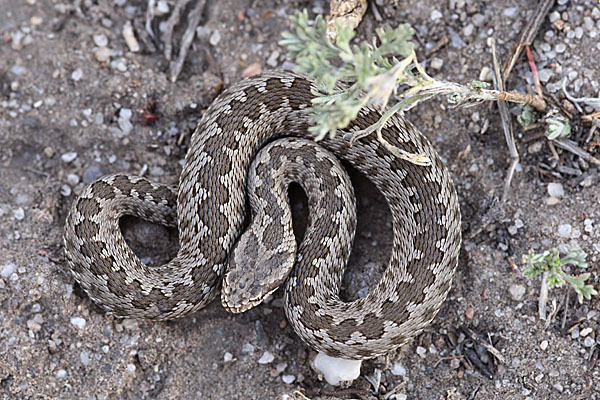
x,y
70,89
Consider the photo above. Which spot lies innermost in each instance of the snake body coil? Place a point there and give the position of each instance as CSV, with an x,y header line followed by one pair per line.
x,y
209,209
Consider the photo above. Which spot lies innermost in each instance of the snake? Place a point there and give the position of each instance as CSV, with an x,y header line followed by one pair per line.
x,y
252,141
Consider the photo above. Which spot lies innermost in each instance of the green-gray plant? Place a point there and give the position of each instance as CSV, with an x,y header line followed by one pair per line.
x,y
550,261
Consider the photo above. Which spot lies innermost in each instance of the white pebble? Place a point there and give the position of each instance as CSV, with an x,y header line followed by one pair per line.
x,y
336,370
544,345
288,379
68,157
73,179
131,368
78,322
266,358
510,12
61,373
8,270
588,342
77,74
564,230
421,351
248,348
435,15
556,189
517,292
129,37
65,190
84,356
398,370
215,38
162,8
585,331
102,54
101,40
19,214
437,63
227,357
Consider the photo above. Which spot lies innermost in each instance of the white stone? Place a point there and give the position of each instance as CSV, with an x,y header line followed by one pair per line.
x,y
100,40
556,189
8,270
78,322
564,230
336,370
68,157
77,74
266,358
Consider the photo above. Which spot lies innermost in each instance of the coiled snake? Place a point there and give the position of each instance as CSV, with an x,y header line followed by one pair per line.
x,y
209,209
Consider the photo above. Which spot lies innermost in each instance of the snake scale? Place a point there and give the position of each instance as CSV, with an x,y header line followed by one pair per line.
x,y
209,209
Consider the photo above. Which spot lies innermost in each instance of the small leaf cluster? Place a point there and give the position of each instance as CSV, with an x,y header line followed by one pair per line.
x,y
551,262
333,65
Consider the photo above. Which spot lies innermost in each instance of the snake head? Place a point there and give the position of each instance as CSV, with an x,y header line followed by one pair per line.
x,y
254,271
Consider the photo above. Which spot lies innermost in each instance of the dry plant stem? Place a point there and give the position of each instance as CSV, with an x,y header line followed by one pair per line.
x,y
534,72
506,124
171,22
150,17
573,148
590,117
527,35
543,297
186,41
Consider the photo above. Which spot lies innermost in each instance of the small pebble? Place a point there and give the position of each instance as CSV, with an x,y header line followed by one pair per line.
x,y
227,357
436,15
8,270
421,351
72,179
558,387
272,60
77,74
288,379
266,358
65,190
575,333
564,230
19,214
556,189
588,342
517,292
510,12
33,325
248,348
586,331
48,151
61,373
469,313
215,38
398,370
78,322
68,157
102,54
84,356
544,345
92,173
100,40
131,368
130,38
545,75
162,8
437,63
